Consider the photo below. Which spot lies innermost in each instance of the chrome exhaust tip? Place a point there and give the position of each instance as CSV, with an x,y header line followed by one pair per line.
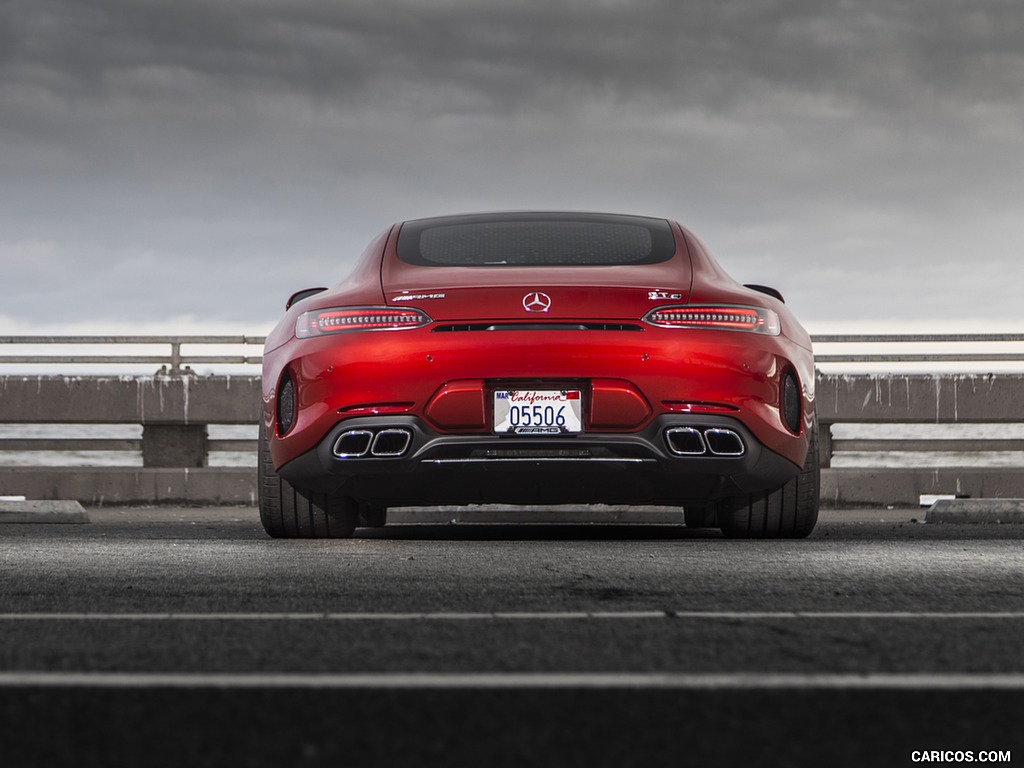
x,y
724,442
685,441
372,443
391,442
353,444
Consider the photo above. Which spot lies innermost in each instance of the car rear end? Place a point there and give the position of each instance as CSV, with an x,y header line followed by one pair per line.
x,y
532,358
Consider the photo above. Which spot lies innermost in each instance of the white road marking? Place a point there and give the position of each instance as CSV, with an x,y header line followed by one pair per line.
x,y
519,616
525,681
521,680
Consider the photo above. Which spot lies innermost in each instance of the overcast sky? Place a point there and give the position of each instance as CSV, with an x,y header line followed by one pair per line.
x,y
186,165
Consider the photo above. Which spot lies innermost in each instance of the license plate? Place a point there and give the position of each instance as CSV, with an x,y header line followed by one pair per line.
x,y
538,411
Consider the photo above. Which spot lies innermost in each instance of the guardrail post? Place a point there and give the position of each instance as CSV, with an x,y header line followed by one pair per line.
x,y
175,357
824,445
175,445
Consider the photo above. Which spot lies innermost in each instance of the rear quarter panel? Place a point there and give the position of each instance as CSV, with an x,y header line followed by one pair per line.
x,y
361,287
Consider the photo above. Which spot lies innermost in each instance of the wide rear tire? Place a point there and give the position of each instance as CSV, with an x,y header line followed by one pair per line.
x,y
789,512
288,512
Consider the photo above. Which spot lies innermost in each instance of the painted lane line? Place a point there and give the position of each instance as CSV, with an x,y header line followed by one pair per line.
x,y
891,614
520,616
523,681
341,617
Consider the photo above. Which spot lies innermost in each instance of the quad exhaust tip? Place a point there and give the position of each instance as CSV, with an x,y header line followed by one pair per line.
x,y
686,441
391,442
369,443
692,441
724,442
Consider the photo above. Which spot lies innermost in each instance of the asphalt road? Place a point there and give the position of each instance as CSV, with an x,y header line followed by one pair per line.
x,y
187,637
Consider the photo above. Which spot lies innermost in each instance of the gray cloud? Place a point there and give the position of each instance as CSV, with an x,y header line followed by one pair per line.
x,y
206,158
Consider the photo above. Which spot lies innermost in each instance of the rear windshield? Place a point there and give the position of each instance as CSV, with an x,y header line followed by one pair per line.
x,y
535,240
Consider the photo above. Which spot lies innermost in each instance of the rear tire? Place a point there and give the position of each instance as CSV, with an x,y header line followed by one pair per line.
x,y
288,512
789,512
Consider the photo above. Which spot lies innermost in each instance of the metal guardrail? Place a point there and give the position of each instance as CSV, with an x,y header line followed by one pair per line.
x,y
175,361
904,340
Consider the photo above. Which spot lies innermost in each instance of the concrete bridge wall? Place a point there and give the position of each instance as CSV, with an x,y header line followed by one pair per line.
x,y
175,413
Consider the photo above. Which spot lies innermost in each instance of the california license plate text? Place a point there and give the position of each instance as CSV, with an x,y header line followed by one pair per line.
x,y
538,411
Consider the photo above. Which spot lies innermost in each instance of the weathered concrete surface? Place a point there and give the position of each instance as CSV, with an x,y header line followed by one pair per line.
x,y
129,399
904,487
976,511
928,399
42,512
97,486
175,445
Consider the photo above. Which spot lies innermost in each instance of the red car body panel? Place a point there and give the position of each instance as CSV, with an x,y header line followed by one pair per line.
x,y
633,374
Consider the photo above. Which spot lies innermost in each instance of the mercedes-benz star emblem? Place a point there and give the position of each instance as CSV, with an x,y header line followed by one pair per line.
x,y
536,302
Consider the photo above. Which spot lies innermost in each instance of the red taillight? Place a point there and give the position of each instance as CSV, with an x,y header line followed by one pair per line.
x,y
722,318
319,322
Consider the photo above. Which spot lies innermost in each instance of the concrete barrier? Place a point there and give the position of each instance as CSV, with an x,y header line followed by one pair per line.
x,y
129,399
99,486
976,511
919,398
42,512
912,399
175,413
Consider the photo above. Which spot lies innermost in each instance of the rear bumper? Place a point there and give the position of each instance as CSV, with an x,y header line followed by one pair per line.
x,y
628,379
675,458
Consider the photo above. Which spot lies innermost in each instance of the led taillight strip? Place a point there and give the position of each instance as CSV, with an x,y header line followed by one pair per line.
x,y
320,322
724,318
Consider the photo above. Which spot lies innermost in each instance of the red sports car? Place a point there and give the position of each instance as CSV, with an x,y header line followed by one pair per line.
x,y
533,358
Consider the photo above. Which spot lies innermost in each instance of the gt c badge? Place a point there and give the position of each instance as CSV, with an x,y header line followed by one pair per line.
x,y
536,302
